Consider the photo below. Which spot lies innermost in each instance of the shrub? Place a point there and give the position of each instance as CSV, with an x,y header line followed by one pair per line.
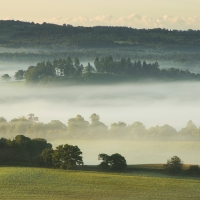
x,y
194,170
174,165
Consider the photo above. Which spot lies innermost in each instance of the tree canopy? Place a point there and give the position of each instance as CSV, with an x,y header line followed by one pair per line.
x,y
25,151
174,165
19,75
115,162
5,77
105,70
27,34
21,150
79,128
67,156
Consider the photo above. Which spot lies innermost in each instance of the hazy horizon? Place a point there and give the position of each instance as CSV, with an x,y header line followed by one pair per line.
x,y
151,103
136,152
146,14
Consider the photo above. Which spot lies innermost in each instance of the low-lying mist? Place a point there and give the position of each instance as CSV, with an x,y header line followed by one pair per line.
x,y
8,67
137,152
150,103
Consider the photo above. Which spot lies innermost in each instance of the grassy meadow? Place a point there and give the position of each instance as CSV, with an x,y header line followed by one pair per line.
x,y
38,183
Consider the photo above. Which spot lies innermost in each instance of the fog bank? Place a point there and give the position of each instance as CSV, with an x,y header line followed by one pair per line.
x,y
137,152
152,104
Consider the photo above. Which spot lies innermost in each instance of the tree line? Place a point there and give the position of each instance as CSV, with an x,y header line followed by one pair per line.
x,y
37,152
184,56
79,128
25,34
104,70
174,166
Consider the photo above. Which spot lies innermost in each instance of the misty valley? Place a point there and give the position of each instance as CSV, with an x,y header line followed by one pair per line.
x,y
114,89
100,100
145,122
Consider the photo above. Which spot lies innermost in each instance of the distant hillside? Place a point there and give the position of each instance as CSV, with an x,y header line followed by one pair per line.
x,y
25,34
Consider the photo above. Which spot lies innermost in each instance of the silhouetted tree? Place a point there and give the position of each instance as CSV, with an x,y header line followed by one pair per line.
x,y
174,165
19,75
5,77
114,162
194,170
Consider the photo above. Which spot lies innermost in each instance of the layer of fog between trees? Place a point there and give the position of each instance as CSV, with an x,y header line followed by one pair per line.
x,y
152,104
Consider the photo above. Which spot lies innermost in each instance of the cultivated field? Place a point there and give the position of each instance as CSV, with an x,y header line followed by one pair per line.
x,y
36,183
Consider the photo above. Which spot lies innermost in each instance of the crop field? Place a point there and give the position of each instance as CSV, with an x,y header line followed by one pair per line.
x,y
37,183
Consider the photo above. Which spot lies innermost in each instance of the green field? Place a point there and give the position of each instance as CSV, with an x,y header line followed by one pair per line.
x,y
36,183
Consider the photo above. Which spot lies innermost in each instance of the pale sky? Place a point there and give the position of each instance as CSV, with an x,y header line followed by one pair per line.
x,y
171,14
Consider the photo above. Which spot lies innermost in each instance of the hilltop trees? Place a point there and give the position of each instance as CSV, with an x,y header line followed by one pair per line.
x,y
105,70
40,35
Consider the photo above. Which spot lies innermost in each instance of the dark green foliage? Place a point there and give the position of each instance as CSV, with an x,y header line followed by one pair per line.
x,y
193,170
19,75
21,150
104,164
24,34
174,165
106,70
25,151
66,156
40,71
115,162
46,158
51,41
63,157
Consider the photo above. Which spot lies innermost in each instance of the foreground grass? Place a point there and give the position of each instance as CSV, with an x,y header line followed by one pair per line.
x,y
36,183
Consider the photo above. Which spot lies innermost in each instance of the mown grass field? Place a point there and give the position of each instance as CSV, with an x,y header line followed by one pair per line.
x,y
37,183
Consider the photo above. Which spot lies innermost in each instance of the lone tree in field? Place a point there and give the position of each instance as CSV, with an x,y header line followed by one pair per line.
x,y
5,77
67,156
19,75
114,162
174,165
